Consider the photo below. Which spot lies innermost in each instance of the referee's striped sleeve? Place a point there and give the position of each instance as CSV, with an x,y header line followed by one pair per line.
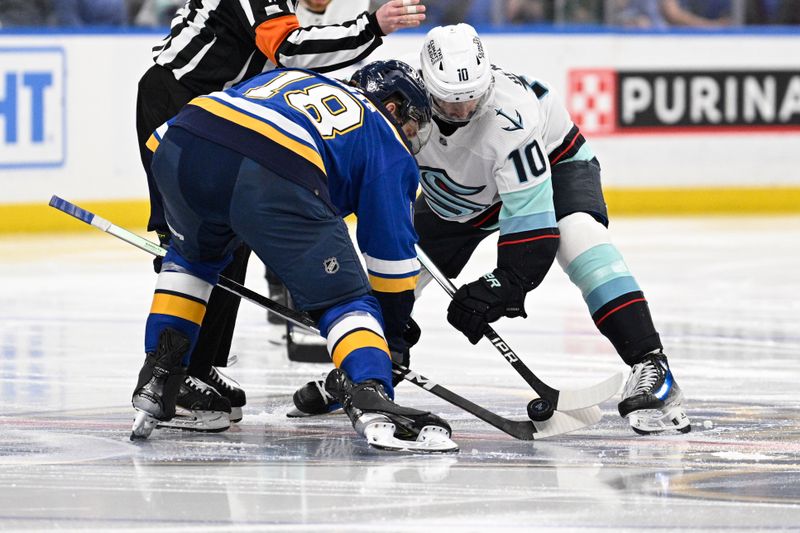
x,y
321,48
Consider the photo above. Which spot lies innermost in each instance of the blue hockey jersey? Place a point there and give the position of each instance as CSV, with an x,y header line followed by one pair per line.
x,y
331,139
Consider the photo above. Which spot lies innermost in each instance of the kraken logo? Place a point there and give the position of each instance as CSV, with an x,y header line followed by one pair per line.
x,y
445,196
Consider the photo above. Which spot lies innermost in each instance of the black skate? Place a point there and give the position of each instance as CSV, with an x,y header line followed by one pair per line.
x,y
312,399
385,424
159,382
652,399
199,407
228,388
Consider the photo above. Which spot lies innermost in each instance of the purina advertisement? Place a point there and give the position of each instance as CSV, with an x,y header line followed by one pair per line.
x,y
676,112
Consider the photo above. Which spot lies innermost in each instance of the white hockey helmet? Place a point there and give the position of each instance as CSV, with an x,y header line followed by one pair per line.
x,y
456,71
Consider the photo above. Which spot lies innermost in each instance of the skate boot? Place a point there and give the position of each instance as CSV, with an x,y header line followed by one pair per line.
x,y
385,424
159,382
199,408
312,399
230,389
652,399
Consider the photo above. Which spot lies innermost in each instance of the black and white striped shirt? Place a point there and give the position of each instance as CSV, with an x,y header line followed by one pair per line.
x,y
212,44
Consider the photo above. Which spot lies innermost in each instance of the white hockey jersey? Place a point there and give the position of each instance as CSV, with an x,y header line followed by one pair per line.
x,y
501,160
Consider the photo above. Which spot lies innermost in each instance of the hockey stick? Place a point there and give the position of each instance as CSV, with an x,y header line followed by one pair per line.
x,y
562,400
524,430
153,248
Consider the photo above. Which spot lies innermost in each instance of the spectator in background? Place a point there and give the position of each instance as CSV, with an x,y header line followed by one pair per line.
x,y
24,13
790,12
762,12
444,12
699,13
583,11
529,11
76,13
660,14
154,13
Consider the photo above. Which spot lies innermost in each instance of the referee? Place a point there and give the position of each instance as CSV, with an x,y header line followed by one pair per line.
x,y
212,45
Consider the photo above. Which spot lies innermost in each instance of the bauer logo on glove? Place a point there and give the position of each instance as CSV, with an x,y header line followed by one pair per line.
x,y
477,304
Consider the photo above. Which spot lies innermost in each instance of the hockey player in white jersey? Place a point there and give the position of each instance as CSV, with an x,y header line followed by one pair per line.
x,y
505,155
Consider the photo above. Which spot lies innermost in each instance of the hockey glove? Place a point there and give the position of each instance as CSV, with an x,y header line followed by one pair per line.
x,y
477,304
164,239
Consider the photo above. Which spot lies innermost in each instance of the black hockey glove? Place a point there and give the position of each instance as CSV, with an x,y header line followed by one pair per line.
x,y
164,239
477,304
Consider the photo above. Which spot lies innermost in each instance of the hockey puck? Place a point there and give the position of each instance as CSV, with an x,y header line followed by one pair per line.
x,y
540,410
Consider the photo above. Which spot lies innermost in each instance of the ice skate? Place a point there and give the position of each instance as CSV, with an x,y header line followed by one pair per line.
x,y
228,388
312,399
651,400
199,407
385,424
159,382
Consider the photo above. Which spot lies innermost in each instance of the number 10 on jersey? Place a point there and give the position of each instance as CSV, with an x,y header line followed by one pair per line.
x,y
530,165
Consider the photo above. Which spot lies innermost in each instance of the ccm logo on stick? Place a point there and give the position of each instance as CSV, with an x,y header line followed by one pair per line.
x,y
608,101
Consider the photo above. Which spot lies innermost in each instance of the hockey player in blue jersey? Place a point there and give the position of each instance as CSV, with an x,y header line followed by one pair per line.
x,y
275,162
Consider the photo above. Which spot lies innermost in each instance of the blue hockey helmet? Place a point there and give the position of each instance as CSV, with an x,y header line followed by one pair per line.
x,y
395,81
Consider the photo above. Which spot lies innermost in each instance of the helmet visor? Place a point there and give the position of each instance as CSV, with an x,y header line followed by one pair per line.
x,y
460,111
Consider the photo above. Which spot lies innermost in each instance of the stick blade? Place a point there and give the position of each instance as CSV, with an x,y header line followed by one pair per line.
x,y
572,400
566,422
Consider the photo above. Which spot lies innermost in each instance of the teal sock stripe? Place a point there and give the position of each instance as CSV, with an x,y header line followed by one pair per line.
x,y
602,275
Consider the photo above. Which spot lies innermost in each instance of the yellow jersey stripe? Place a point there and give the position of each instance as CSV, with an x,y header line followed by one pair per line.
x,y
152,143
393,284
268,131
169,304
362,338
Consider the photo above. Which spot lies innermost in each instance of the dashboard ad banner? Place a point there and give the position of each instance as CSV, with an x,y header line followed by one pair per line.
x,y
32,107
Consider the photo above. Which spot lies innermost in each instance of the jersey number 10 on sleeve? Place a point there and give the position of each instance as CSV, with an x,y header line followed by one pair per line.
x,y
533,164
332,110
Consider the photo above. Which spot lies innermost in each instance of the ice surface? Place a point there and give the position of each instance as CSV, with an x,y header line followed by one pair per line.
x,y
724,293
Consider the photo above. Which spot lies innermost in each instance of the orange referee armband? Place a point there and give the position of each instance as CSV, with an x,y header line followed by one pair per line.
x,y
270,34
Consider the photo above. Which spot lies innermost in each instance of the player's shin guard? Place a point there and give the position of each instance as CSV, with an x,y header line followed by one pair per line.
x,y
615,300
356,342
179,304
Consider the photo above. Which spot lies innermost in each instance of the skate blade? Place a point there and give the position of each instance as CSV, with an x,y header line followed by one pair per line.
x,y
567,421
206,421
652,422
297,413
236,414
431,439
143,425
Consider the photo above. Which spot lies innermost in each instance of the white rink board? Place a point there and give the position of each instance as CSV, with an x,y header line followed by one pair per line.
x,y
93,108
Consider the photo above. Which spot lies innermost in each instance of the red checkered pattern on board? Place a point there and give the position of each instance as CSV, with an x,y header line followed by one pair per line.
x,y
591,100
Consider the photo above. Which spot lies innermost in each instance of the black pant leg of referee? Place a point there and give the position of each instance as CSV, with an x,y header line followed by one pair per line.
x,y
160,97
